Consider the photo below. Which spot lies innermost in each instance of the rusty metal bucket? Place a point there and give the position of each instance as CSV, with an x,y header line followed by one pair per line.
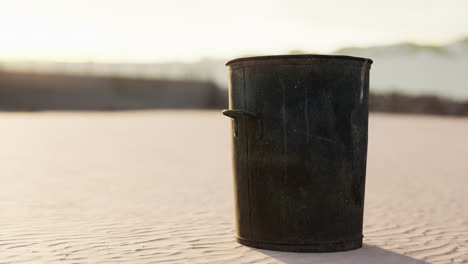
x,y
299,150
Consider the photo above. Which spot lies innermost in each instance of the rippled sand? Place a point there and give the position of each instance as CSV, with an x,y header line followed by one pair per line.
x,y
156,187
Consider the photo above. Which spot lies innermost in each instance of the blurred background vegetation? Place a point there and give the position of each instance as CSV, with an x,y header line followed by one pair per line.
x,y
405,78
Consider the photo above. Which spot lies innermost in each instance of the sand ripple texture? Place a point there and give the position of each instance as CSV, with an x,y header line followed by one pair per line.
x,y
156,187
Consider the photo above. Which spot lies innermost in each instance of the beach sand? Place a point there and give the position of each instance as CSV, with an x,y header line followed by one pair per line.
x,y
156,187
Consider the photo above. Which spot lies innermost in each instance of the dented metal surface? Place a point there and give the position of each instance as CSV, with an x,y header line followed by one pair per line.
x,y
299,150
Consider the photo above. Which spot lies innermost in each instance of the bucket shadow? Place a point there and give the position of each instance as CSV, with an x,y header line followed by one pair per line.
x,y
366,254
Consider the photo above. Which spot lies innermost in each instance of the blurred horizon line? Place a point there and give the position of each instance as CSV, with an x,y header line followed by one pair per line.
x,y
56,59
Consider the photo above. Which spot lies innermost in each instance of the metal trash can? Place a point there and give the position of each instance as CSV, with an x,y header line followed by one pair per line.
x,y
299,133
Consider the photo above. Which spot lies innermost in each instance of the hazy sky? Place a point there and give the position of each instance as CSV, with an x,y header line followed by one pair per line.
x,y
157,30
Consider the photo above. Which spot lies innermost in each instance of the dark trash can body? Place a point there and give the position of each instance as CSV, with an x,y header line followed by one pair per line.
x,y
299,126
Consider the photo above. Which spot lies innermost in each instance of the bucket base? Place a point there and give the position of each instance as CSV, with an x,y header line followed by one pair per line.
x,y
317,247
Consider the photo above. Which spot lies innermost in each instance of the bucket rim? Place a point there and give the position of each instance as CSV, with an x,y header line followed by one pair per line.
x,y
299,56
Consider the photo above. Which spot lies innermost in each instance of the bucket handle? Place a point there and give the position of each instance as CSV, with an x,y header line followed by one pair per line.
x,y
238,113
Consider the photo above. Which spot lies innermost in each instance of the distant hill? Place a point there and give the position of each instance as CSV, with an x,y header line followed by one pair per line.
x,y
417,69
405,68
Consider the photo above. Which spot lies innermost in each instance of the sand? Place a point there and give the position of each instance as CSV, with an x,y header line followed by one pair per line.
x,y
156,187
